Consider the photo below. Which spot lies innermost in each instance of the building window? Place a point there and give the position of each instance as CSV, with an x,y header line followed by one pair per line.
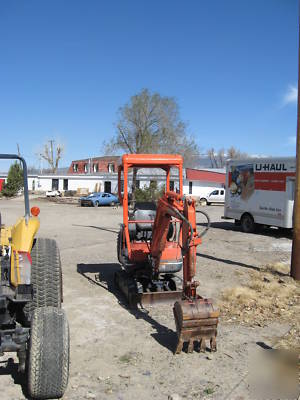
x,y
111,168
190,187
107,187
75,167
95,167
172,186
86,169
54,184
66,184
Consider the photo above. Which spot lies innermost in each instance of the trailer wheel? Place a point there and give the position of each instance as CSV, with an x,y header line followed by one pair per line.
x,y
247,223
49,350
46,276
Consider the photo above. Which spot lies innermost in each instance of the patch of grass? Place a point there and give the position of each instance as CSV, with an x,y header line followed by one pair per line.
x,y
209,391
279,267
131,357
269,295
125,358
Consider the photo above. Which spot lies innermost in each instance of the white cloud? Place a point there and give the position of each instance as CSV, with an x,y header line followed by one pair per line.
x,y
291,95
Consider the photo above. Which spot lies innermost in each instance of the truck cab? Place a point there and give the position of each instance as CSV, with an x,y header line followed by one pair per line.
x,y
216,196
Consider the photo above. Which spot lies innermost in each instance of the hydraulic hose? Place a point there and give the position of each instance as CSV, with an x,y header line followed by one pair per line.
x,y
204,232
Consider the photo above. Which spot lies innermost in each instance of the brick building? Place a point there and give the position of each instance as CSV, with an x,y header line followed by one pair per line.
x,y
94,165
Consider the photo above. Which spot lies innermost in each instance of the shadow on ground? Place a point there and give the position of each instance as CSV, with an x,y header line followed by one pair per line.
x,y
277,233
103,275
9,367
101,228
230,262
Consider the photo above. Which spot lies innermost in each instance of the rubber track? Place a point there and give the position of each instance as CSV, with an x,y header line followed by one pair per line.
x,y
46,276
49,351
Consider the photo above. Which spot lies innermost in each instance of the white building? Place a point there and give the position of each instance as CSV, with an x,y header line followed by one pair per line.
x,y
196,183
201,182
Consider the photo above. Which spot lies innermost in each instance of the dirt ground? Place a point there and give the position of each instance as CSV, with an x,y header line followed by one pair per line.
x,y
118,354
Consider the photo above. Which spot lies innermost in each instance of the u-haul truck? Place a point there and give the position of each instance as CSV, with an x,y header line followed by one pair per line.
x,y
260,191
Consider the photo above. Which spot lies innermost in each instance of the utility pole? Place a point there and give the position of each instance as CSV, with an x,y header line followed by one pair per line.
x,y
295,266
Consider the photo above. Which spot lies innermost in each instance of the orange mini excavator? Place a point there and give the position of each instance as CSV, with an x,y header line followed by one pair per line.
x,y
156,242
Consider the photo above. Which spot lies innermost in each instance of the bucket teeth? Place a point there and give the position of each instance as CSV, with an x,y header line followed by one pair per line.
x,y
196,322
202,346
191,346
179,347
213,344
199,345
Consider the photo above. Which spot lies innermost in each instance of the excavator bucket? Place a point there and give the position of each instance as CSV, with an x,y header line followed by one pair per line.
x,y
196,321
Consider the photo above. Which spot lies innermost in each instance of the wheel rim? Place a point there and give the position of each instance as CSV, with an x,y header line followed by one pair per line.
x,y
248,224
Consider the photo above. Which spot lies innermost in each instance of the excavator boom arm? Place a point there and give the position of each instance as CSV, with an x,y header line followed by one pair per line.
x,y
174,205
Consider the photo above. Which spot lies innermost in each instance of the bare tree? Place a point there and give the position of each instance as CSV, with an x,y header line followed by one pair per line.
x,y
52,153
218,158
212,156
221,158
235,153
150,123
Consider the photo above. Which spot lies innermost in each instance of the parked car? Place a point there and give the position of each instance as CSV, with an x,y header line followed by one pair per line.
x,y
53,193
216,196
99,199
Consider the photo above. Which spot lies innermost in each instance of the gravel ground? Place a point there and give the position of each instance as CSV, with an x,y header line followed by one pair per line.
x,y
118,354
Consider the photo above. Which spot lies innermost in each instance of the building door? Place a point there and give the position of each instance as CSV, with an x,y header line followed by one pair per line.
x,y
54,184
107,187
66,184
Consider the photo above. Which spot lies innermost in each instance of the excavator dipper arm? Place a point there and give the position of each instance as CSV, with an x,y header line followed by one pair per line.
x,y
196,318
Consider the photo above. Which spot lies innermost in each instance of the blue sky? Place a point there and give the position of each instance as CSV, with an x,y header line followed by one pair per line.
x,y
67,66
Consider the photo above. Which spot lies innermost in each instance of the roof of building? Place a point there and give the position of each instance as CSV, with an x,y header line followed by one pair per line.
x,y
102,158
205,175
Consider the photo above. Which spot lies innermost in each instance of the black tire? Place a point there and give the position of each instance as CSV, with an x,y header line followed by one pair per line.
x,y
49,352
96,204
119,246
247,223
46,276
203,201
112,203
208,203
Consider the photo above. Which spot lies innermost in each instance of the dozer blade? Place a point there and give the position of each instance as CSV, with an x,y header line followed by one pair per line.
x,y
196,321
160,297
135,295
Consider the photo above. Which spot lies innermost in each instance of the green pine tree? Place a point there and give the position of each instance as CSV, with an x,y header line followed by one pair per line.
x,y
14,180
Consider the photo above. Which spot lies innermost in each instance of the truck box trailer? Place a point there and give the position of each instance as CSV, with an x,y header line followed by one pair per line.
x,y
260,191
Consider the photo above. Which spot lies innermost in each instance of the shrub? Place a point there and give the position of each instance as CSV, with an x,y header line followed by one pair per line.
x,y
149,193
14,180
